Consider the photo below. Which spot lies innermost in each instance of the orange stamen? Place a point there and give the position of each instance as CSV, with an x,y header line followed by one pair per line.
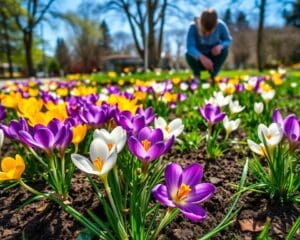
x,y
98,163
146,144
183,191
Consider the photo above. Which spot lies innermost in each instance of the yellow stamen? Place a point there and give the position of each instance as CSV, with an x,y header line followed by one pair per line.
x,y
269,136
183,191
146,144
98,163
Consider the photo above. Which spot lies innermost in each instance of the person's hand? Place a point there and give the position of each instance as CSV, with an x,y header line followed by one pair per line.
x,y
206,62
216,50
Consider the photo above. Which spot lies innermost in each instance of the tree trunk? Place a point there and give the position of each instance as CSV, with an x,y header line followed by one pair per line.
x,y
7,46
151,37
259,43
27,39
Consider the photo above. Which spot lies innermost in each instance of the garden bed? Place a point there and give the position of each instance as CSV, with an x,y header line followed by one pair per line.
x,y
45,220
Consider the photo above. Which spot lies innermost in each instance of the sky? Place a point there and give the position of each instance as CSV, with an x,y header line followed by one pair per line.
x,y
57,29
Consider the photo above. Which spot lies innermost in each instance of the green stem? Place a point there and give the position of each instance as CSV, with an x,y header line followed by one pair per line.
x,y
53,169
30,189
163,222
113,205
37,157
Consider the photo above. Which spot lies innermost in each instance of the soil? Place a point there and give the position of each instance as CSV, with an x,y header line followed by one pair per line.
x,y
45,220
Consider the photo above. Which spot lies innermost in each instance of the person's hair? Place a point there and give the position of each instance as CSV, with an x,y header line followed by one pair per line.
x,y
208,19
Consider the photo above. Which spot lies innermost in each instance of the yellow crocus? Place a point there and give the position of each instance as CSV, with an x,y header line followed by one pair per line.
x,y
79,133
123,103
12,168
176,80
170,97
11,100
29,106
112,74
63,92
33,92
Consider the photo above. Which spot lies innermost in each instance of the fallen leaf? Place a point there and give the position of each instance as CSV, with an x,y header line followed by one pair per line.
x,y
251,225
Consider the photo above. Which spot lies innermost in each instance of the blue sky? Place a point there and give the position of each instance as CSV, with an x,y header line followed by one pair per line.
x,y
59,29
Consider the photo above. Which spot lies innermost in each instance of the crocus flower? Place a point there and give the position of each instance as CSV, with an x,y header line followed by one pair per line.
x,y
2,113
12,168
100,162
1,138
291,129
230,125
258,107
55,136
93,116
132,124
184,190
14,127
290,126
268,95
148,113
117,138
174,128
149,144
212,114
79,133
235,107
272,134
257,148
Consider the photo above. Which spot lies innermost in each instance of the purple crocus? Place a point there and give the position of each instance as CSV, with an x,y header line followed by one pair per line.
x,y
2,113
93,116
184,190
14,127
132,124
149,144
55,135
290,126
212,114
148,113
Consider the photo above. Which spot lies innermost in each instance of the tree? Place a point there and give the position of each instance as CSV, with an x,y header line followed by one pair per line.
x,y
27,19
121,42
259,41
293,17
146,20
5,39
62,55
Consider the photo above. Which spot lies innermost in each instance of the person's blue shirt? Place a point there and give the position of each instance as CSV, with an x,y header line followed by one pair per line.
x,y
198,44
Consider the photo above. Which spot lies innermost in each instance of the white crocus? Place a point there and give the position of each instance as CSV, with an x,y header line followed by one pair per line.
x,y
230,125
184,86
1,138
221,100
116,138
235,107
258,107
257,148
205,85
100,162
268,95
174,128
272,134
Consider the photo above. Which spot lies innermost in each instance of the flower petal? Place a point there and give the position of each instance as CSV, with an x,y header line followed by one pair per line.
x,y
193,212
136,147
173,178
160,193
192,174
110,162
98,148
84,164
200,192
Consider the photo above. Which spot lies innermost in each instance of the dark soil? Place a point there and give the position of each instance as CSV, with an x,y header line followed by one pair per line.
x,y
45,220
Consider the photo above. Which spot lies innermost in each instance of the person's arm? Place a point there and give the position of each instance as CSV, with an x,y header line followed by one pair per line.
x,y
191,44
225,36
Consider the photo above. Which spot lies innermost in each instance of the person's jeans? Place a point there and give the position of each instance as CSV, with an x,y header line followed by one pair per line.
x,y
197,66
